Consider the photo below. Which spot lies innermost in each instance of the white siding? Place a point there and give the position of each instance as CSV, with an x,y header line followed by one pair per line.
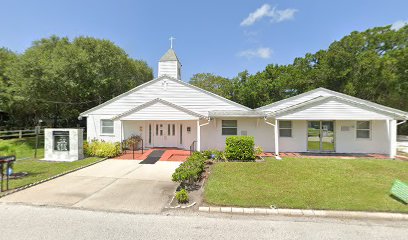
x,y
333,110
170,68
171,91
159,111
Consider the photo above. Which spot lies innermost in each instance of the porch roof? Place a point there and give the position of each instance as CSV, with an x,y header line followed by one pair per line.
x,y
158,109
334,107
236,113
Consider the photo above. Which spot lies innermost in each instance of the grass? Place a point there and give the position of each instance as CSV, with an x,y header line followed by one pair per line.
x,y
23,148
39,170
337,184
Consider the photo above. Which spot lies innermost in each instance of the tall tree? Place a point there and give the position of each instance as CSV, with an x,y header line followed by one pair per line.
x,y
56,78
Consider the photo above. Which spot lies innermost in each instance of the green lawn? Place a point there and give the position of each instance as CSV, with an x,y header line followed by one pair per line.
x,y
22,147
340,184
38,170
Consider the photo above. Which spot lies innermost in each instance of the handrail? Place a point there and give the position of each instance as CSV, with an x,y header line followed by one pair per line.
x,y
192,147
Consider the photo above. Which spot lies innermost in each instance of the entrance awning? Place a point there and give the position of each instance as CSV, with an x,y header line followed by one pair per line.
x,y
159,109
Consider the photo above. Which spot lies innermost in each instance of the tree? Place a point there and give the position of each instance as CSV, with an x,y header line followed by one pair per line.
x,y
213,83
7,58
56,79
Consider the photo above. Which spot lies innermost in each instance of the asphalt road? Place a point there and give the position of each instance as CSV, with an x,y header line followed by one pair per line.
x,y
34,222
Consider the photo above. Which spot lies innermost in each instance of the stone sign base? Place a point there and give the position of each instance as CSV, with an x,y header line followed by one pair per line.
x,y
63,144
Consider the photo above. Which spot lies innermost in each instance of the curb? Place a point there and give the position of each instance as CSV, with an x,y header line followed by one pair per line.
x,y
306,213
50,178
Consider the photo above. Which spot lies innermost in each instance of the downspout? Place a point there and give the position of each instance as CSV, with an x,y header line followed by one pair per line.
x,y
208,122
277,157
199,132
401,122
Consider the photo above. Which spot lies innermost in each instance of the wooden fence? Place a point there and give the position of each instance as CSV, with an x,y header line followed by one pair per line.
x,y
7,134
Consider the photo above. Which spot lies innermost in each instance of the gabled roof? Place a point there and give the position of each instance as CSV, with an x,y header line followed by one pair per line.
x,y
158,100
170,55
156,80
339,95
235,113
322,99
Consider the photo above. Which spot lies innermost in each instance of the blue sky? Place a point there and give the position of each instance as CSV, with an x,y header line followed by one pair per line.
x,y
219,37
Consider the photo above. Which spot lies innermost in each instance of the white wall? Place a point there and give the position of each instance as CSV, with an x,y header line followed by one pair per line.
x,y
347,142
212,138
298,141
94,129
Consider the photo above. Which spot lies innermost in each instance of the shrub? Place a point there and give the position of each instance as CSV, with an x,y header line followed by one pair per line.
x,y
214,154
182,196
240,148
98,148
190,171
258,150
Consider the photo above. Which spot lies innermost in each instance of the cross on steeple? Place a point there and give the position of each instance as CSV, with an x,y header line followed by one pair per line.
x,y
171,41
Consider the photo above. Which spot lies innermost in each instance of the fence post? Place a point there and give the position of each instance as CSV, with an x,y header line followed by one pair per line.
x,y
20,133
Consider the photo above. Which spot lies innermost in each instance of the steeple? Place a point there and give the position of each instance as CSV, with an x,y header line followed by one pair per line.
x,y
169,64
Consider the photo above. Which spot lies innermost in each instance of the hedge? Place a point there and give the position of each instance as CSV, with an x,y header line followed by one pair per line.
x,y
240,148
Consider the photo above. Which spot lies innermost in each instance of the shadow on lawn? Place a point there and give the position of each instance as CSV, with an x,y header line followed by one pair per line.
x,y
398,200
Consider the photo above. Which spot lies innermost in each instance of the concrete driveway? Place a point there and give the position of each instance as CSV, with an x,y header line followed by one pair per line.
x,y
119,185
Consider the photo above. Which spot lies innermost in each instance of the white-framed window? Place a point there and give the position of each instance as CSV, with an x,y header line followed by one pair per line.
x,y
363,129
229,127
107,126
285,128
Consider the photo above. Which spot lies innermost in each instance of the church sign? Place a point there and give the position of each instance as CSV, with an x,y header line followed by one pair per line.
x,y
63,144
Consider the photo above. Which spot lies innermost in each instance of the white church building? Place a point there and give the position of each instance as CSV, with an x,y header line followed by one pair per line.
x,y
168,112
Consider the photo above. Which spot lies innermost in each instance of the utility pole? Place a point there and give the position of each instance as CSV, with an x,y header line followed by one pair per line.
x,y
37,133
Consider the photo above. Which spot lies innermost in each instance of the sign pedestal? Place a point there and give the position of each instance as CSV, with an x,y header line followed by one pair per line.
x,y
63,144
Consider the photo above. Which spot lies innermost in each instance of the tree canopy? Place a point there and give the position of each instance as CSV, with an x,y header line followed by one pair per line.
x,y
372,65
56,79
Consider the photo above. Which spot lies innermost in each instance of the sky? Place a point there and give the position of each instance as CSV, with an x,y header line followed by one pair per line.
x,y
212,36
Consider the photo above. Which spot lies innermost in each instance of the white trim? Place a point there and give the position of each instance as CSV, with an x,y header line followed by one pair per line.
x,y
370,130
291,129
101,127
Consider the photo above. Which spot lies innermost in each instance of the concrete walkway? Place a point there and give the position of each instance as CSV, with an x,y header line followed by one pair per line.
x,y
114,185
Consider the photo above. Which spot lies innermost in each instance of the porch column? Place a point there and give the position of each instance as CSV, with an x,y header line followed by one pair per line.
x,y
198,136
392,133
276,133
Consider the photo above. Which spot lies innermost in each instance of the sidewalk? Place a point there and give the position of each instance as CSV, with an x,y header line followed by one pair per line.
x,y
307,213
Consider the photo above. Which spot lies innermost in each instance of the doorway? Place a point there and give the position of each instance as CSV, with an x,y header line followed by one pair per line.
x,y
320,136
165,134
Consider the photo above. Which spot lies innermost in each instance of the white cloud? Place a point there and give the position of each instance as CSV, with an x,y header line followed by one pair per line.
x,y
267,11
399,24
259,53
283,15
